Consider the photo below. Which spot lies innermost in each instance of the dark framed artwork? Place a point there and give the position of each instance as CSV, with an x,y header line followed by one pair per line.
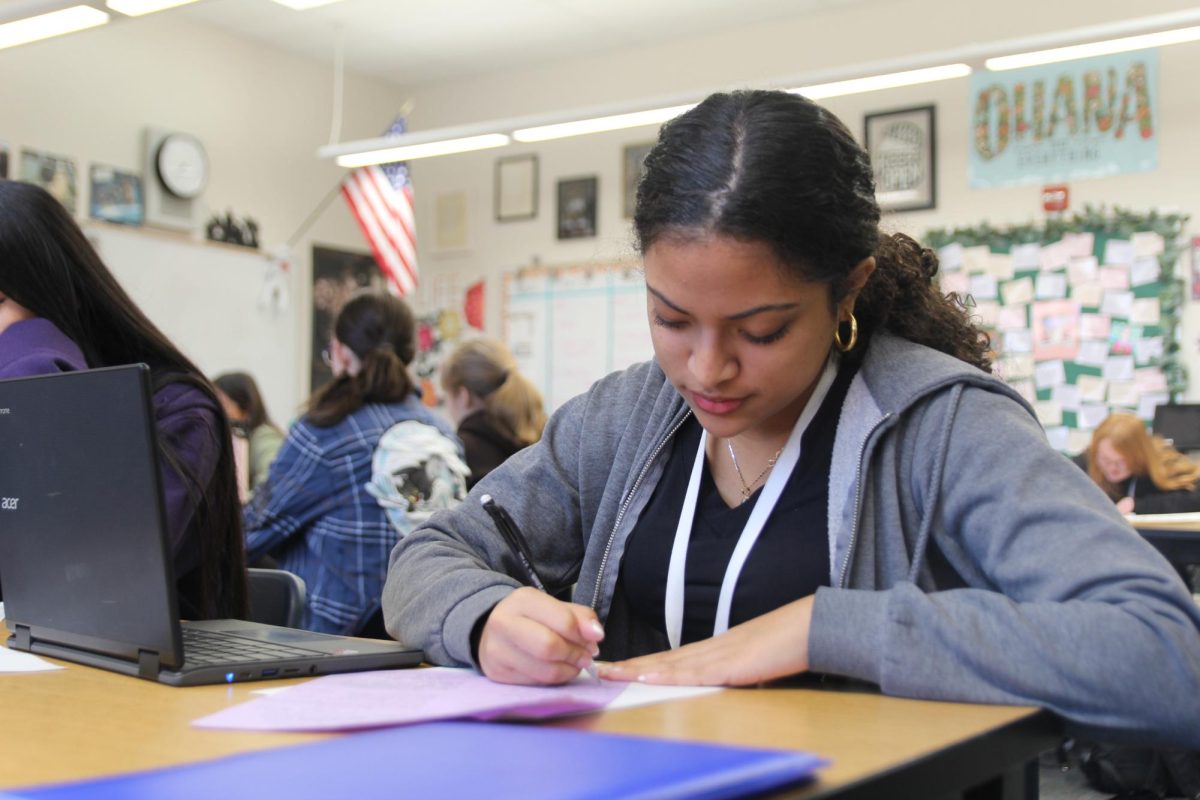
x,y
577,208
632,161
516,188
116,195
337,276
903,149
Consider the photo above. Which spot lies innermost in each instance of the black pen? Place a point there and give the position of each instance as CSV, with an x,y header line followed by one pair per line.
x,y
514,539
520,548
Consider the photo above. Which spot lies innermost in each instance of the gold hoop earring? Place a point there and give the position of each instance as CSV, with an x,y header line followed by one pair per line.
x,y
846,347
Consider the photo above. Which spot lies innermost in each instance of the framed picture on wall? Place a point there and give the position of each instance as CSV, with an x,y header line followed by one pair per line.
x,y
55,174
903,153
634,156
577,208
116,196
516,188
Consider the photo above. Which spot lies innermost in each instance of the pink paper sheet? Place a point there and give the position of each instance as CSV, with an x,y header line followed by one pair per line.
x,y
398,697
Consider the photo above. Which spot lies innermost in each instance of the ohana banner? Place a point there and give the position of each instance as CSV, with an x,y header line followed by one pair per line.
x,y
1077,119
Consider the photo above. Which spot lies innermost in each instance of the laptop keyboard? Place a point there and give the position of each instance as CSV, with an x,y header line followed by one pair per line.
x,y
210,647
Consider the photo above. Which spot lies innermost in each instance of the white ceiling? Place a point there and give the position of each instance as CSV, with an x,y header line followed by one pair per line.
x,y
422,41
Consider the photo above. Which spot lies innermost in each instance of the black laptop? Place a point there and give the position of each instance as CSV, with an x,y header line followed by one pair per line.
x,y
84,551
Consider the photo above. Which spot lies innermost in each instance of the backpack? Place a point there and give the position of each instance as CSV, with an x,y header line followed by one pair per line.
x,y
416,470
1138,773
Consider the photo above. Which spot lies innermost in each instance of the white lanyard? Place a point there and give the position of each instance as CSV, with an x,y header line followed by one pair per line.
x,y
788,458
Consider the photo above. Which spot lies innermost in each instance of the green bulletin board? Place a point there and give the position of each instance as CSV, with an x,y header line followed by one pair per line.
x,y
1083,312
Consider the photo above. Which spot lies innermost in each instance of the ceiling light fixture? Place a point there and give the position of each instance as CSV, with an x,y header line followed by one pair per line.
x,y
613,122
136,8
408,152
304,5
1090,49
891,80
1162,29
56,23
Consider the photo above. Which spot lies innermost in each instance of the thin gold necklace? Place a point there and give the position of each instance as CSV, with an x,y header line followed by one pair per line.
x,y
748,488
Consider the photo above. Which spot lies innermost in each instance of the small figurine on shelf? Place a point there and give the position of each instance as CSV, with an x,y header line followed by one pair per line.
x,y
232,230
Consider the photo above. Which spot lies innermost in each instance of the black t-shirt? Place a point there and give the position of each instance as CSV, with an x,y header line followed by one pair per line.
x,y
789,560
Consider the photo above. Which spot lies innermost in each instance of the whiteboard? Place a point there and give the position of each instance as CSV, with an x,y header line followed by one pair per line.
x,y
226,308
570,326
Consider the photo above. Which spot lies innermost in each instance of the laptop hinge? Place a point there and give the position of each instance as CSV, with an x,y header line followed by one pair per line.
x,y
148,664
21,638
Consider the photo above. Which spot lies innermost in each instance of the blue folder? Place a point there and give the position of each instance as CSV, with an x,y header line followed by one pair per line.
x,y
462,759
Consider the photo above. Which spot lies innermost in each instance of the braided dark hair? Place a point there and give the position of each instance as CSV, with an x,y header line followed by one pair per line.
x,y
776,168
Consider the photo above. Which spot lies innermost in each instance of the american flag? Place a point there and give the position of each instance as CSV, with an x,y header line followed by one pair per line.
x,y
381,198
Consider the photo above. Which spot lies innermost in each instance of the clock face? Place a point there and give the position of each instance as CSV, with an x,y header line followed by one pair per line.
x,y
182,165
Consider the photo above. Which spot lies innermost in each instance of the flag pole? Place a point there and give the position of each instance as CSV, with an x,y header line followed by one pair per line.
x,y
316,212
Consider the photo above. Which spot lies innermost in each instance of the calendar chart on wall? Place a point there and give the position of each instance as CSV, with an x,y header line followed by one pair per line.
x,y
570,326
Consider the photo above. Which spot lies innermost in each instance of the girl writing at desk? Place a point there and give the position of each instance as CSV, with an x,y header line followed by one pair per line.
x,y
816,472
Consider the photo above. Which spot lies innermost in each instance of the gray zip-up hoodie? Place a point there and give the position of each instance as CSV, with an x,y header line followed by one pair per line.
x,y
1039,593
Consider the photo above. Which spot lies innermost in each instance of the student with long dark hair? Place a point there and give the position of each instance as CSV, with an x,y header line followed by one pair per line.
x,y
816,473
243,404
61,309
314,514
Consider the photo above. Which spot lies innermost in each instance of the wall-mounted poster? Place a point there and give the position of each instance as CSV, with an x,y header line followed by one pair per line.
x,y
55,174
116,196
577,208
516,187
902,146
1088,118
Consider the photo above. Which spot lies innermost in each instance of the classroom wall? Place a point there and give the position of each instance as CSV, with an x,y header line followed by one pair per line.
x,y
767,55
260,113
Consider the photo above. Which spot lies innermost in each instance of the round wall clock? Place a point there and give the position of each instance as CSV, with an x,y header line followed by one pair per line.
x,y
182,165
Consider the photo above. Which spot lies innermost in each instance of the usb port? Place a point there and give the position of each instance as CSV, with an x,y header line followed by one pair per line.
x,y
267,673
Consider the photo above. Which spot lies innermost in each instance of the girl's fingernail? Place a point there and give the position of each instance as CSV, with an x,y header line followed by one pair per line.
x,y
597,629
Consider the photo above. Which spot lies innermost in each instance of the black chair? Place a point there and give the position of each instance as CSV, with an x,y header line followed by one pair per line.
x,y
276,597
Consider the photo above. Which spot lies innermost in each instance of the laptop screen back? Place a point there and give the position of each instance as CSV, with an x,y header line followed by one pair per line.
x,y
83,553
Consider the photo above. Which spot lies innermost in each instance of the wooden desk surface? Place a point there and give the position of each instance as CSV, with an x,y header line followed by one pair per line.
x,y
81,722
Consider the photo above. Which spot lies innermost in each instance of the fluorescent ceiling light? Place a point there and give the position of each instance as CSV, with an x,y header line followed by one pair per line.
x,y
1090,49
889,81
614,122
301,5
43,26
135,8
426,150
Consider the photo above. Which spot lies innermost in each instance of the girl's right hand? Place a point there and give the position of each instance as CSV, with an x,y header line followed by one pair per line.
x,y
531,638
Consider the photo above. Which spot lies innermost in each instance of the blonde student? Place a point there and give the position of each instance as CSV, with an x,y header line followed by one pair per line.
x,y
817,472
497,410
1141,473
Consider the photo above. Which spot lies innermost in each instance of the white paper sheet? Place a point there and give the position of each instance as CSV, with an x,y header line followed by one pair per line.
x,y
1027,256
1018,291
1067,395
1118,368
950,257
1091,388
1118,251
1090,415
1082,270
1049,373
1143,271
1092,354
1116,303
1145,311
1049,413
1123,393
1018,341
983,287
1051,286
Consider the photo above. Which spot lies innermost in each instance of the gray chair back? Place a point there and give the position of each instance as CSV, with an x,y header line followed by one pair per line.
x,y
276,597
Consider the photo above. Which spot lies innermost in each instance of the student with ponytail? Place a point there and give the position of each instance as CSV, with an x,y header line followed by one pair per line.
x,y
817,472
497,410
314,514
